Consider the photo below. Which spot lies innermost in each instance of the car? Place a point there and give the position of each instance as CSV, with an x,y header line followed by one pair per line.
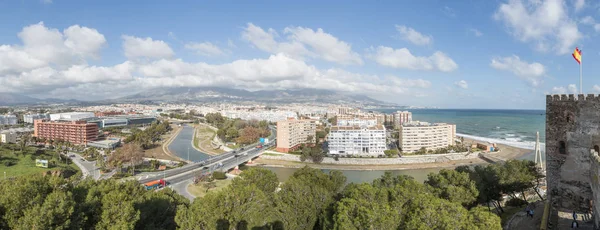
x,y
242,148
233,151
205,167
72,155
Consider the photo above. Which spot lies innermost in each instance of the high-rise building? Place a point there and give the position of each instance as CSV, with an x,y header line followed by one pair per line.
x,y
355,120
9,119
416,135
292,133
29,118
76,132
389,120
401,117
356,140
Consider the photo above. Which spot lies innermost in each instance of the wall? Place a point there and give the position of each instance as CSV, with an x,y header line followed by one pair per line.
x,y
595,184
420,159
572,129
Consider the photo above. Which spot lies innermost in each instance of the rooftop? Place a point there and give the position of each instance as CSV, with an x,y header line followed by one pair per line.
x,y
422,124
339,128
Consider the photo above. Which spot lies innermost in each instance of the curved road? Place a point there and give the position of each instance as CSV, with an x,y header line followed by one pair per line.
x,y
179,178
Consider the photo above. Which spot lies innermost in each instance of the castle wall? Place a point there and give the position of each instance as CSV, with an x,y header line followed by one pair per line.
x,y
595,184
571,123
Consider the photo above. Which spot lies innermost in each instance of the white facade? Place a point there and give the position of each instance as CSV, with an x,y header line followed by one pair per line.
x,y
416,135
354,140
8,119
8,138
29,118
356,121
73,116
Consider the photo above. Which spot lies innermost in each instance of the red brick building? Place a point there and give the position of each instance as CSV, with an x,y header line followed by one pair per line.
x,y
76,132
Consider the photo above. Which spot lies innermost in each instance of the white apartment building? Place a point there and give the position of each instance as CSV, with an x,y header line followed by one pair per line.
x,y
416,135
401,117
29,118
72,116
357,140
352,120
9,119
292,133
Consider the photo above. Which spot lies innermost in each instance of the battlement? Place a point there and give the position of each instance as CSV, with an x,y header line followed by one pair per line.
x,y
572,97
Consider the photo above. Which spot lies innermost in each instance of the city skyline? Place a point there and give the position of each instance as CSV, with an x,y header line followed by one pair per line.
x,y
447,54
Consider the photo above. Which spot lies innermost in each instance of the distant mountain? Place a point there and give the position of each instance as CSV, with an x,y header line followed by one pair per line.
x,y
216,94
7,99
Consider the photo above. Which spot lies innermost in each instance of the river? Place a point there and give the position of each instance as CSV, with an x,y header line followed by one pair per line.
x,y
183,141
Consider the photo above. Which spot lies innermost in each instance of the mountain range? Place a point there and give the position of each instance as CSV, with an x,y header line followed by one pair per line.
x,y
212,94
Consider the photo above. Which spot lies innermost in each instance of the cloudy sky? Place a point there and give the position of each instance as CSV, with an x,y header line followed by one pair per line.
x,y
450,54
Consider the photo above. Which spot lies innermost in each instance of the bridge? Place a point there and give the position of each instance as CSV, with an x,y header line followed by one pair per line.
x,y
223,163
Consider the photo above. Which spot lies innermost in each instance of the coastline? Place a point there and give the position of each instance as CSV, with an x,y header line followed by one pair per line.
x,y
507,152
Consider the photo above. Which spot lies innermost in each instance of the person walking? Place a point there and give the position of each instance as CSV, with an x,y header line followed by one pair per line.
x,y
574,216
574,224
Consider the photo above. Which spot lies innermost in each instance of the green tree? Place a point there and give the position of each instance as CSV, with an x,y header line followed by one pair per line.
x,y
263,179
453,186
54,213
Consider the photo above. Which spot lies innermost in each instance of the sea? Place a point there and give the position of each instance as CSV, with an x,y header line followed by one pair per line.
x,y
510,127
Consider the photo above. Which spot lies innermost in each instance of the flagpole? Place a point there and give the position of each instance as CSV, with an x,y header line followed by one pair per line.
x,y
580,78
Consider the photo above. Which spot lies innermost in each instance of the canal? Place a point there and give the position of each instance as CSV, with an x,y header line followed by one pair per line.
x,y
183,143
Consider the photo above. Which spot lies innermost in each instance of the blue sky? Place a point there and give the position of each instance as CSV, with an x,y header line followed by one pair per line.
x,y
449,54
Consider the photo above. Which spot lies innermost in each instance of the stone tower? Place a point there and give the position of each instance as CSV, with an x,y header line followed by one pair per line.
x,y
572,132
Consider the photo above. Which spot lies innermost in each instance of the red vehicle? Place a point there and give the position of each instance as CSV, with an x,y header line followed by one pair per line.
x,y
155,184
259,146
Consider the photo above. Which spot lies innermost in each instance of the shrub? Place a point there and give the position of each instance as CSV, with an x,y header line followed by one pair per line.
x,y
516,202
219,175
9,163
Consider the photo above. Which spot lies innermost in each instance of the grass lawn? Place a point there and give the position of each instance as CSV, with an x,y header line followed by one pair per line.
x,y
25,164
272,154
199,190
203,138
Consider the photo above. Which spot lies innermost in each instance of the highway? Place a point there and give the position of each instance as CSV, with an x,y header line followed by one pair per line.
x,y
222,162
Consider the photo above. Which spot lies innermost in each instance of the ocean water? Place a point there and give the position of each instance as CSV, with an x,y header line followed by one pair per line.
x,y
511,127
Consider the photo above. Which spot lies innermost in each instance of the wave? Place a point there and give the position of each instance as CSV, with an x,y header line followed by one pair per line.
x,y
509,141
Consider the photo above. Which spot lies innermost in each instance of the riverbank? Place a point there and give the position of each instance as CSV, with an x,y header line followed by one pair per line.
x,y
409,162
202,140
162,150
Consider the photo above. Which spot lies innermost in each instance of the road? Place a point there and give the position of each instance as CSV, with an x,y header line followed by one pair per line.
x,y
88,168
179,178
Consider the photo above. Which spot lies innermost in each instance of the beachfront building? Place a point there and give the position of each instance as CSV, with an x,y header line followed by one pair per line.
x,y
9,119
29,118
416,135
72,116
76,132
355,120
292,133
357,140
401,117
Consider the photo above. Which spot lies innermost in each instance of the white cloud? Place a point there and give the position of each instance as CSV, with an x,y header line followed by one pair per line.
x,y
62,70
462,84
205,48
302,42
571,89
579,5
546,24
135,47
596,88
531,72
588,20
404,59
449,11
413,36
231,44
476,32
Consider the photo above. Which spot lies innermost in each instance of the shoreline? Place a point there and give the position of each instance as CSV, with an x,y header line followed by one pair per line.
x,y
507,152
200,148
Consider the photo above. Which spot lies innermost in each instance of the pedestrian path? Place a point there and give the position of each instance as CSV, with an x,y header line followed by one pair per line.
x,y
565,219
521,221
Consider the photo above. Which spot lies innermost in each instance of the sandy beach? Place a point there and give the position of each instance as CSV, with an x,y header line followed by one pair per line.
x,y
506,153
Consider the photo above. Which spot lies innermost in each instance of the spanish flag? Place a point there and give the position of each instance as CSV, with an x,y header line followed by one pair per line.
x,y
577,55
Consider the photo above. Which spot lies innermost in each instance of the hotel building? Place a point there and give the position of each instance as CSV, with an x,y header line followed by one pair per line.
x,y
354,120
401,117
292,133
76,132
357,140
416,135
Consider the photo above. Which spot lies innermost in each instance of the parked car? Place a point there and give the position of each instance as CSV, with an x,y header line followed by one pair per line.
x,y
72,155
